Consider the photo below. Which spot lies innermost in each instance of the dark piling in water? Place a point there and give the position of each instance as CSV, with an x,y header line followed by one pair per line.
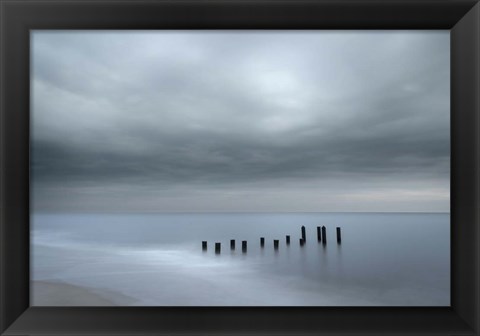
x,y
324,235
302,242
232,244
262,242
339,236
217,248
275,244
204,245
287,239
304,235
244,246
319,233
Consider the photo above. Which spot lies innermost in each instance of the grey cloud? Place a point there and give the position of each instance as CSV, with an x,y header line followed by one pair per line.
x,y
210,110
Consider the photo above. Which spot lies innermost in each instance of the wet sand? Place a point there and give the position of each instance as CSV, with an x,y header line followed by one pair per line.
x,y
49,293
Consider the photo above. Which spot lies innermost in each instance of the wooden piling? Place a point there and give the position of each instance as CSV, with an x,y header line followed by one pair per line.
x,y
275,244
324,234
302,242
319,233
262,241
204,245
304,235
217,248
287,239
244,246
232,244
339,236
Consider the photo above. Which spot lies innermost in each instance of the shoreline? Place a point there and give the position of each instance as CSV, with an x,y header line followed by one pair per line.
x,y
55,293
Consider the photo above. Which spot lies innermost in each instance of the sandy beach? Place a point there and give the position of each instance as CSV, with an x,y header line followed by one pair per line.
x,y
49,293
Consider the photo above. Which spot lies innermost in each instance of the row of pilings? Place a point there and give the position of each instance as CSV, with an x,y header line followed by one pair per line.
x,y
321,238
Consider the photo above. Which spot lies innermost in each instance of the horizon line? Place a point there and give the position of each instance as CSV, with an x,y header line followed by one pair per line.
x,y
236,212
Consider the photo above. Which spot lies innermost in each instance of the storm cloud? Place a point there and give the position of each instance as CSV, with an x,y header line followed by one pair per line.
x,y
240,121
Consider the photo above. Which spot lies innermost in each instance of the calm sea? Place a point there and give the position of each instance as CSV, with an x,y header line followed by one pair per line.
x,y
384,259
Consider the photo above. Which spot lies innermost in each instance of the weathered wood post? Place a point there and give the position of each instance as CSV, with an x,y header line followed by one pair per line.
x,y
302,242
217,248
319,233
275,244
262,241
232,244
339,236
287,239
304,235
324,234
204,245
244,246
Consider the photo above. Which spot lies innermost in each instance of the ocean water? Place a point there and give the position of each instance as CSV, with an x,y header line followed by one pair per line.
x,y
384,259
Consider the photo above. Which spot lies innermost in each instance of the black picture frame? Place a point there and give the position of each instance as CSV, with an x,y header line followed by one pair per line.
x,y
18,17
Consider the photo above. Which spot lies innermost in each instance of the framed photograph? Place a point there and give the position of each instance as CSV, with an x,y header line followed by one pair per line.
x,y
240,167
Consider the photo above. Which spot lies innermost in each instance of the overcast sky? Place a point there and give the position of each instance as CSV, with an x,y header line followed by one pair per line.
x,y
245,121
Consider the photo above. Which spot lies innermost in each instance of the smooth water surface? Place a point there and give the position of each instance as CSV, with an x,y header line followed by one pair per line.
x,y
385,259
